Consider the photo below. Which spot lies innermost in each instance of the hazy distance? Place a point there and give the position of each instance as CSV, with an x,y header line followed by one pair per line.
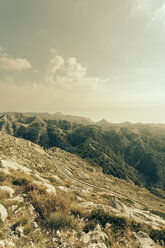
x,y
99,59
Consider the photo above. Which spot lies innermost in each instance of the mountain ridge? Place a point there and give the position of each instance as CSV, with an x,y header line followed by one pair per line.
x,y
129,151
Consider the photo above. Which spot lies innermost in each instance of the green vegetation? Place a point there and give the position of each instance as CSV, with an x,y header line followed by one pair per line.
x,y
27,229
58,220
101,217
90,226
54,211
134,151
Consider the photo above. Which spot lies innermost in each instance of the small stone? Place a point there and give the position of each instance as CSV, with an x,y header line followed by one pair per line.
x,y
19,231
58,234
35,224
85,238
2,244
13,208
108,225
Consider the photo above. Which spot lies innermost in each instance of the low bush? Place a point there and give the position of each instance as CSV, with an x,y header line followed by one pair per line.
x,y
27,229
78,211
58,221
102,217
45,203
89,226
2,176
20,181
157,235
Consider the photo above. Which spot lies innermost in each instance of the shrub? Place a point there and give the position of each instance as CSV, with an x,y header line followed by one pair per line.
x,y
136,227
45,203
101,217
89,226
157,235
1,235
58,221
2,176
78,211
27,229
20,181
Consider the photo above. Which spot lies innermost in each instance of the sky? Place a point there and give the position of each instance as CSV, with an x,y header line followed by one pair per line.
x,y
94,58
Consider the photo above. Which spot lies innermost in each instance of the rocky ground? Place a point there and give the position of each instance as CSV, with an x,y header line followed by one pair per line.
x,y
51,198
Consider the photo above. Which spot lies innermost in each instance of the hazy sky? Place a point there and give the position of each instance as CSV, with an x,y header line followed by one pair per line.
x,y
97,58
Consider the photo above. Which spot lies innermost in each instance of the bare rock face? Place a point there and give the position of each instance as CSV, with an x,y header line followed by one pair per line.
x,y
3,213
95,238
116,204
6,244
144,240
49,188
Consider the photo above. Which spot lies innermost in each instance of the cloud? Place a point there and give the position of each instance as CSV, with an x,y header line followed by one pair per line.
x,y
145,7
54,51
74,69
139,5
55,64
69,74
64,74
159,15
9,63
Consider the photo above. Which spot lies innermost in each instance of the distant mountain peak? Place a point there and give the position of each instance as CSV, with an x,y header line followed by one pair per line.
x,y
59,113
103,122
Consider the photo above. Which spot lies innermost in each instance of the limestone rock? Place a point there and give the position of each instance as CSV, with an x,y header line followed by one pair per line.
x,y
9,244
7,189
63,188
2,244
98,245
144,240
3,213
97,235
50,188
85,238
117,204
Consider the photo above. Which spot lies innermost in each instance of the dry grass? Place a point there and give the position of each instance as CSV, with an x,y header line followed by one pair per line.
x,y
58,220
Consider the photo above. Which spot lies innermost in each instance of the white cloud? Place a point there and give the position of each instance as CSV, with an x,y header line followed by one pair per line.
x,y
55,64
139,5
70,75
74,69
9,63
54,51
159,15
145,7
62,74
18,64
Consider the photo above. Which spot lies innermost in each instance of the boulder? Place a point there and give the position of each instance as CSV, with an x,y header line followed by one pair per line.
x,y
144,240
117,204
9,244
97,235
7,189
3,213
85,238
96,238
2,244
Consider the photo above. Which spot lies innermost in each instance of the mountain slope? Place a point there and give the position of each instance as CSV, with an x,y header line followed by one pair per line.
x,y
52,198
128,151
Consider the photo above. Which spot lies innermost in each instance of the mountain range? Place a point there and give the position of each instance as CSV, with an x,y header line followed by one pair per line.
x,y
128,151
